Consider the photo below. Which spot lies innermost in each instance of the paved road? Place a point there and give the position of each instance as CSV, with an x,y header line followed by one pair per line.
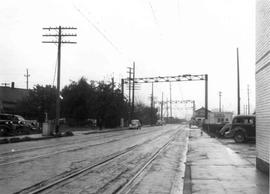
x,y
150,160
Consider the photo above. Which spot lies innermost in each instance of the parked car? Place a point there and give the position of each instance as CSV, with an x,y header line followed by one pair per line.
x,y
6,127
19,124
243,128
135,124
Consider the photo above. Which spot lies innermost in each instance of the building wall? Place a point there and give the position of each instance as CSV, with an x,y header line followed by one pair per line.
x,y
220,117
9,98
262,84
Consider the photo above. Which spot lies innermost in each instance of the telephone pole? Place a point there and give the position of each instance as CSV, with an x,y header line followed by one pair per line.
x,y
170,100
133,91
27,75
238,85
59,42
219,101
152,105
248,100
161,108
129,94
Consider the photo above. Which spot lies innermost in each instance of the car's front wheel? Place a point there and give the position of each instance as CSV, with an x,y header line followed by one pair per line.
x,y
239,137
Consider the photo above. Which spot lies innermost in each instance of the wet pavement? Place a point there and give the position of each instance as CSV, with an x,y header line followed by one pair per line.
x,y
214,167
27,163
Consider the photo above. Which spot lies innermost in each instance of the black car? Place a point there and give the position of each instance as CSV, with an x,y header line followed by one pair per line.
x,y
6,127
243,128
18,124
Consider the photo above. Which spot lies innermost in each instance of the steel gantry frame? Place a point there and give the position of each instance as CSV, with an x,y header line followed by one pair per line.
x,y
178,78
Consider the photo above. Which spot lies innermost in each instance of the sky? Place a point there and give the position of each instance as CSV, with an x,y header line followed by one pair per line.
x,y
163,38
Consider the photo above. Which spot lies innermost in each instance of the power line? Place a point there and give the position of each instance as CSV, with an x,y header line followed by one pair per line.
x,y
98,30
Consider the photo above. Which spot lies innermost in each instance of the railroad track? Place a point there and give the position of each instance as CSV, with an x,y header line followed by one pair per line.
x,y
47,184
74,148
82,140
126,187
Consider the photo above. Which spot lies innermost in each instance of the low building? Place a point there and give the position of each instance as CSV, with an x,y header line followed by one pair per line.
x,y
9,96
220,117
262,84
199,115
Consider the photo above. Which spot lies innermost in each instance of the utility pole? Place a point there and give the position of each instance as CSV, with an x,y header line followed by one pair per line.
x,y
122,88
27,75
219,101
112,84
193,107
167,108
170,100
59,42
152,104
206,96
248,100
161,108
238,85
129,94
133,91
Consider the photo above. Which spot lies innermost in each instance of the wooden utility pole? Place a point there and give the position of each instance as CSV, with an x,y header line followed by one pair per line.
x,y
27,75
248,100
219,101
59,41
238,85
129,94
133,91
161,108
152,105
170,100
206,96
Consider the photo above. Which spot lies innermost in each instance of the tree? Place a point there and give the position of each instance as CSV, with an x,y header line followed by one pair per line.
x,y
79,101
40,100
145,114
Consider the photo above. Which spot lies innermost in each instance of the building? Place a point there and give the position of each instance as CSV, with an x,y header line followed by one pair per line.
x,y
262,84
199,115
220,117
9,96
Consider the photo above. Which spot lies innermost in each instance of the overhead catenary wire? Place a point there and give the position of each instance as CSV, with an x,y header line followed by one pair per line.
x,y
97,29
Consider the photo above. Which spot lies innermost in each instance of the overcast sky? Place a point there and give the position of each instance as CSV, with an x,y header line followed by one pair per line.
x,y
164,38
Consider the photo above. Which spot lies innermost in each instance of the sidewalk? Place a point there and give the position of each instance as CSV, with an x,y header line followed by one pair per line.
x,y
214,168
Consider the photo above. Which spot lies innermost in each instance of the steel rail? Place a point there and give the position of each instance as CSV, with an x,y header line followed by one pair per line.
x,y
127,186
77,172
69,149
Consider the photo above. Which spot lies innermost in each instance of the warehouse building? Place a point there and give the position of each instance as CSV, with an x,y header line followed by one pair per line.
x,y
262,84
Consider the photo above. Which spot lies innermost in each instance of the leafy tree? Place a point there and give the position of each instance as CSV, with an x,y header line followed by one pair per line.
x,y
79,99
145,114
40,100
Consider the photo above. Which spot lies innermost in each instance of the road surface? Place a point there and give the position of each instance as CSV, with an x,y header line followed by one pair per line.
x,y
150,160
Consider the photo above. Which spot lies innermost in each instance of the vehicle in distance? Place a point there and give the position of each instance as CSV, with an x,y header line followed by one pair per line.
x,y
243,128
160,122
135,124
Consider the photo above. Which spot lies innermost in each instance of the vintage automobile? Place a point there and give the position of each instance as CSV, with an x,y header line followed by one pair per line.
x,y
135,124
243,128
18,124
